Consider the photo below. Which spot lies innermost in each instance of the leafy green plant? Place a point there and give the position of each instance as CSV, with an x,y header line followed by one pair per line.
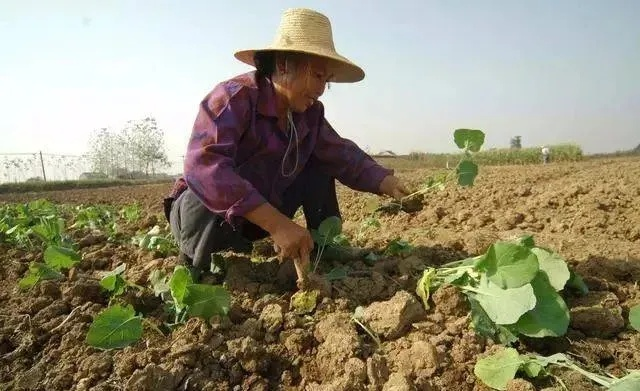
x,y
115,327
38,272
113,282
513,289
131,213
398,247
56,259
92,216
498,369
155,240
187,299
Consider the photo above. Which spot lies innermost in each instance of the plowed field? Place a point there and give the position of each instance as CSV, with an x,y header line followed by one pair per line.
x,y
587,212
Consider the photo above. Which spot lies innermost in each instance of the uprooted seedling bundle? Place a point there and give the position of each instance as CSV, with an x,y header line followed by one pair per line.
x,y
513,290
469,141
499,368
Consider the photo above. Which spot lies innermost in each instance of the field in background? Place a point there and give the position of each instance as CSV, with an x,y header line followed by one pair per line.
x,y
412,161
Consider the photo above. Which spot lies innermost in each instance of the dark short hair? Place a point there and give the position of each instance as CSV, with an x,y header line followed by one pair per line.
x,y
265,63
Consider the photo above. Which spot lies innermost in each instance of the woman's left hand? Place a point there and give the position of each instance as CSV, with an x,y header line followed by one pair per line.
x,y
393,187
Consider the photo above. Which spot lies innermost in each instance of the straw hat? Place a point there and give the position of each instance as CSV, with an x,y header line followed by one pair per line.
x,y
306,31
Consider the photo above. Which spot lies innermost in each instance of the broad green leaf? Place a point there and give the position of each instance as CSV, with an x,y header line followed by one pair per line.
x,y
467,171
114,328
61,257
458,279
304,302
532,368
178,283
504,306
471,139
423,286
576,282
38,272
158,280
498,369
634,317
330,228
480,321
630,382
205,301
505,335
113,281
550,317
509,265
554,266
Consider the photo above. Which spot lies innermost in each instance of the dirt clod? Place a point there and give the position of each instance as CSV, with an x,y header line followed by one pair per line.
x,y
392,318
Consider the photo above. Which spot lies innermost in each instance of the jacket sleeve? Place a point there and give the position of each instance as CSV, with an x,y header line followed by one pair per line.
x,y
209,168
344,160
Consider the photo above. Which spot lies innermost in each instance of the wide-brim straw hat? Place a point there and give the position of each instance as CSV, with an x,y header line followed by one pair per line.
x,y
303,30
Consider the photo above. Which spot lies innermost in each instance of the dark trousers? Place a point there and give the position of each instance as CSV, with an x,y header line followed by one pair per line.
x,y
199,232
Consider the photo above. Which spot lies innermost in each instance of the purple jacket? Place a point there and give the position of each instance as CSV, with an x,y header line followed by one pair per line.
x,y
234,155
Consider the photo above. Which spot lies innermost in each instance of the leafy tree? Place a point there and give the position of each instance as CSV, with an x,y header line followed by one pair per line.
x,y
138,147
516,142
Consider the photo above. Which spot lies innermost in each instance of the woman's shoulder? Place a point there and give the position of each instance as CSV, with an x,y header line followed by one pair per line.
x,y
237,91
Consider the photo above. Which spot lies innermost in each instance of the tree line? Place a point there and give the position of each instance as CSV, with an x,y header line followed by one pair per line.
x,y
136,150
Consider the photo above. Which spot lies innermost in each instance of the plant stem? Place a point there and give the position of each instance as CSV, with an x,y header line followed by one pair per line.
x,y
366,329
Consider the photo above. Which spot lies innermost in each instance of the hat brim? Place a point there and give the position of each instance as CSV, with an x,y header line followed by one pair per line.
x,y
342,69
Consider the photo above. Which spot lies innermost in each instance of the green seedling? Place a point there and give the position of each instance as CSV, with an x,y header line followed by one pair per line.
x,y
113,281
470,141
398,247
56,259
357,318
501,367
187,299
155,240
94,217
130,213
513,289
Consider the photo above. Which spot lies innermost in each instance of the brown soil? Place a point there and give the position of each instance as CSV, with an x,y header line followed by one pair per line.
x,y
588,212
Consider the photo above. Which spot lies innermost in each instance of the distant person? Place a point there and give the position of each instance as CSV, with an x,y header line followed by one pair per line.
x,y
545,154
261,147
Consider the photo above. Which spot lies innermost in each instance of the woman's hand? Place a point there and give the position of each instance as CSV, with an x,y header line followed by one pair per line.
x,y
393,187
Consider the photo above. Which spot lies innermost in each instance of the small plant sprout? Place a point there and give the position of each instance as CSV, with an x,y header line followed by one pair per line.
x,y
187,299
327,234
357,317
497,369
512,290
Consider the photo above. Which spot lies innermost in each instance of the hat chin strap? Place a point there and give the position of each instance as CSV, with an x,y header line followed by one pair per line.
x,y
293,132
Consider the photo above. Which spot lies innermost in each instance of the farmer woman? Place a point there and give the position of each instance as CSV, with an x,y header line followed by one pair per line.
x,y
261,148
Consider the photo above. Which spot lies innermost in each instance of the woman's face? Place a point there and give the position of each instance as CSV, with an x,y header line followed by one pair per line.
x,y
305,83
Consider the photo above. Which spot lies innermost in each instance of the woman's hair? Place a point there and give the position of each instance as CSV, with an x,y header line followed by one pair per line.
x,y
265,63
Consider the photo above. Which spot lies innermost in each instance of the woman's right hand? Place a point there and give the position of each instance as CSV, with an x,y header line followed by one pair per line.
x,y
293,242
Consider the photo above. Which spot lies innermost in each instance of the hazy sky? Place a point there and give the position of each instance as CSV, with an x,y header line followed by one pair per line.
x,y
549,71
